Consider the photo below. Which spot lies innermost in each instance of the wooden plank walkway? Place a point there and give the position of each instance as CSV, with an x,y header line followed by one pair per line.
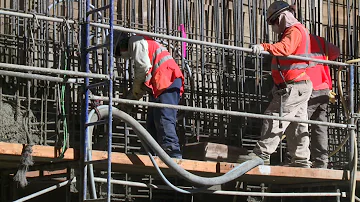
x,y
10,154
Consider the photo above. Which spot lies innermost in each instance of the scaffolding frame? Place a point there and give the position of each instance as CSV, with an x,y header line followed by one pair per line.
x,y
350,126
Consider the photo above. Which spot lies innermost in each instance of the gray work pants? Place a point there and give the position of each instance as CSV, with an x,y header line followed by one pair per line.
x,y
317,110
294,104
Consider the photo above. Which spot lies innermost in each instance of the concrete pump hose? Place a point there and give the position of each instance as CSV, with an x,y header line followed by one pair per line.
x,y
353,177
146,138
343,101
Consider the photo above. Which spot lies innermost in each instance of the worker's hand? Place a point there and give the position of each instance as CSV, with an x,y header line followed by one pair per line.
x,y
134,96
332,97
136,93
125,107
256,49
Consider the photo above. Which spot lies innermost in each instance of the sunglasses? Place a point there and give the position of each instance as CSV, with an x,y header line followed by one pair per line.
x,y
273,21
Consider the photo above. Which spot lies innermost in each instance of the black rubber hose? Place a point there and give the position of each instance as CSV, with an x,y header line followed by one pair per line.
x,y
149,140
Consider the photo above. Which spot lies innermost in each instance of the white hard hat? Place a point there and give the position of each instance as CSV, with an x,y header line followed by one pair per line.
x,y
275,9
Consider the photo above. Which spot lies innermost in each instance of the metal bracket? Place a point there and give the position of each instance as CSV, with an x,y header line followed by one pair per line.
x,y
355,115
351,126
80,80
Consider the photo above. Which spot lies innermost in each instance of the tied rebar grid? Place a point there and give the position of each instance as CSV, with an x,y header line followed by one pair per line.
x,y
221,78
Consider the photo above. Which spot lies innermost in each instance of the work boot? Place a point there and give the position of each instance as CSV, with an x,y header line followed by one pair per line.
x,y
319,164
297,165
176,155
173,153
251,156
301,164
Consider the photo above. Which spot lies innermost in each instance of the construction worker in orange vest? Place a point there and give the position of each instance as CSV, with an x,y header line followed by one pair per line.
x,y
156,72
292,88
318,103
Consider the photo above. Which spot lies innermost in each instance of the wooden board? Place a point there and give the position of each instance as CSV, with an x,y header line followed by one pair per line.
x,y
208,151
10,153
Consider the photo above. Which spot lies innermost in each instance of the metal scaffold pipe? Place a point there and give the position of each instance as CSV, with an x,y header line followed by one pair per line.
x,y
222,112
119,28
220,192
37,16
52,71
44,191
37,76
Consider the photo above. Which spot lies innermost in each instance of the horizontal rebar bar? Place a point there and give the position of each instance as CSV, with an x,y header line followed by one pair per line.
x,y
119,28
222,112
249,50
53,71
220,192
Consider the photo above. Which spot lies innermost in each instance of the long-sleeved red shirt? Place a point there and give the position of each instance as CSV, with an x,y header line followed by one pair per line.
x,y
288,44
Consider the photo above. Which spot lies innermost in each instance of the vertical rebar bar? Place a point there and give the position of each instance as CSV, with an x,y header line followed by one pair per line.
x,y
349,45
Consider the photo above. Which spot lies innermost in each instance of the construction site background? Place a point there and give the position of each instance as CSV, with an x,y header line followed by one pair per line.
x,y
215,78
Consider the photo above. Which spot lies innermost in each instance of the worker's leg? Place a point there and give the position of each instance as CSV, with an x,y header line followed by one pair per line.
x,y
319,133
312,104
297,133
271,132
150,124
298,144
293,127
165,120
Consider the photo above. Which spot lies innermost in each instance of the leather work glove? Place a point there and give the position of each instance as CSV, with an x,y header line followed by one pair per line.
x,y
256,49
137,92
134,96
332,97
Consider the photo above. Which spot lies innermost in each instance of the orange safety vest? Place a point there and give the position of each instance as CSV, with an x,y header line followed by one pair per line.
x,y
319,73
292,70
164,69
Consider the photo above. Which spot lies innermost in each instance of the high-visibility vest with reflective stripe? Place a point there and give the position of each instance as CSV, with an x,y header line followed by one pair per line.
x,y
291,69
319,73
164,69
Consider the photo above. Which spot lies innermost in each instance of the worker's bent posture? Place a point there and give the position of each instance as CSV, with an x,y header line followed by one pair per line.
x,y
292,88
317,105
156,72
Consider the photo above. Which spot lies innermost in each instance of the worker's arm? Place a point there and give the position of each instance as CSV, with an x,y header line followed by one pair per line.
x,y
288,44
333,51
138,48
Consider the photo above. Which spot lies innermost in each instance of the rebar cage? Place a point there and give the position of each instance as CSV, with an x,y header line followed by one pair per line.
x,y
215,78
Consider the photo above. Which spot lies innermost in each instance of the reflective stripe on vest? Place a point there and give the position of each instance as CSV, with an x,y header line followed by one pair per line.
x,y
157,52
159,63
318,55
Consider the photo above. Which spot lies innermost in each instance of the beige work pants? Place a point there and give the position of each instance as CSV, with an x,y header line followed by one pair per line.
x,y
294,103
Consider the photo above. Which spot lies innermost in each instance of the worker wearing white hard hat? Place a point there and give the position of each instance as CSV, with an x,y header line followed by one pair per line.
x,y
292,88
